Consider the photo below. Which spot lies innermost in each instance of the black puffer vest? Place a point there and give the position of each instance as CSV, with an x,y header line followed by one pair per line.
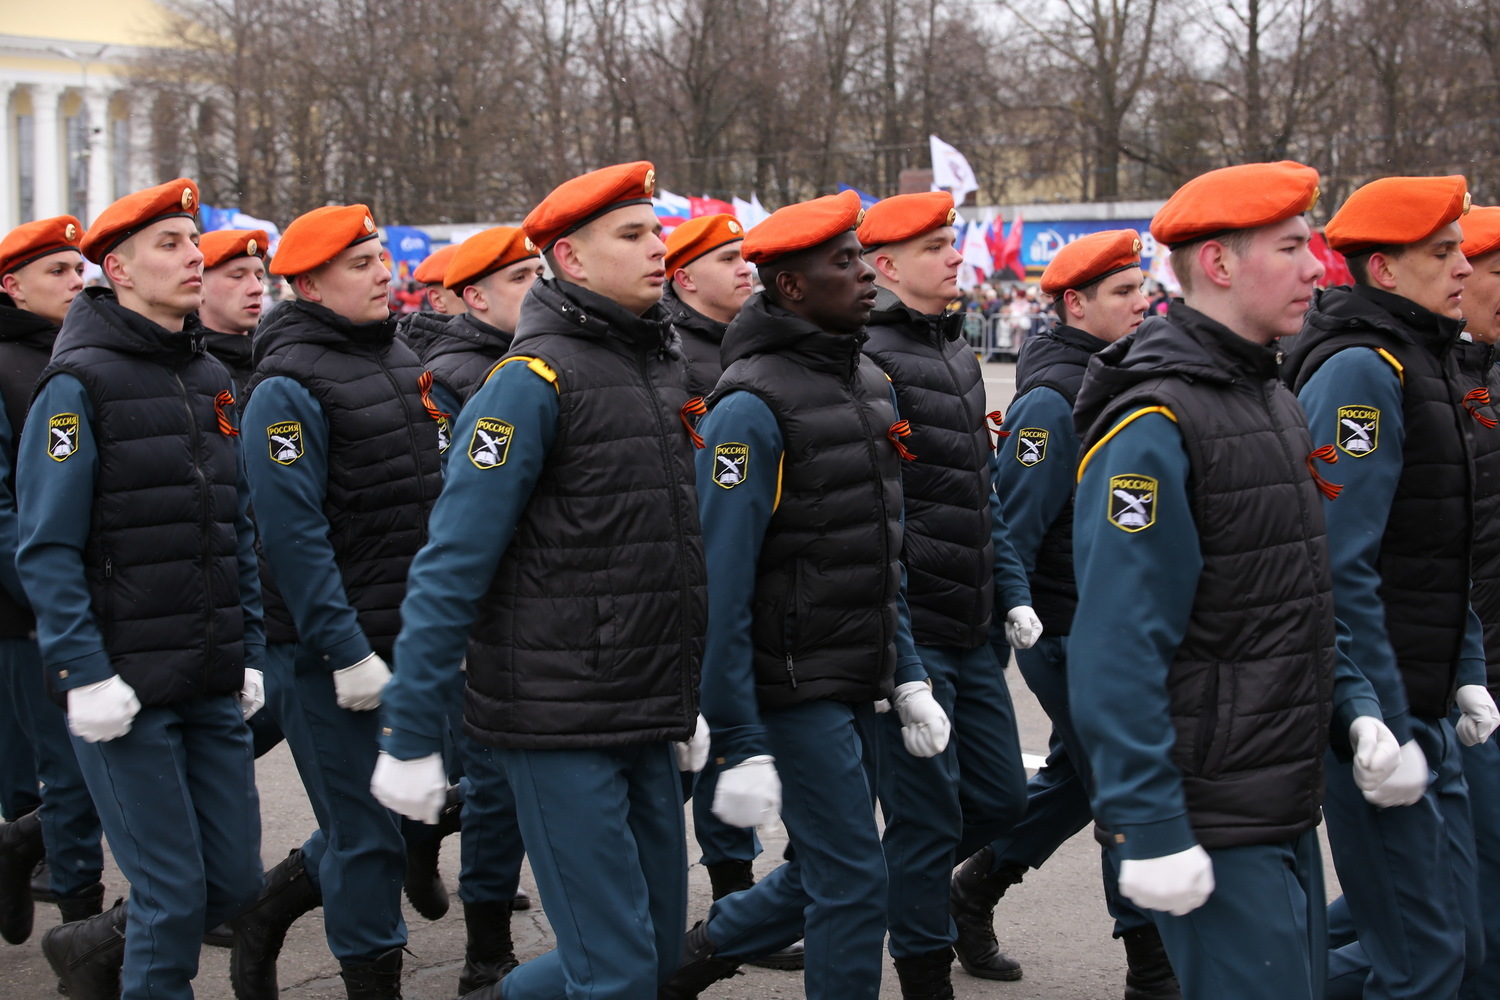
x,y
383,460
1055,359
1251,686
26,341
824,614
591,633
948,547
234,352
1479,381
458,352
700,340
161,560
1424,553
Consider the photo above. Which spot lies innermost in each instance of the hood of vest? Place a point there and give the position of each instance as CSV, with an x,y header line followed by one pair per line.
x,y
1345,308
935,329
685,318
1476,359
1063,346
1185,343
96,319
762,327
554,306
299,322
423,330
459,335
21,326
236,350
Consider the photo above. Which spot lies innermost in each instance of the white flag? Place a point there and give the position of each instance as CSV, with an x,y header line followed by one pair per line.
x,y
977,260
951,171
750,213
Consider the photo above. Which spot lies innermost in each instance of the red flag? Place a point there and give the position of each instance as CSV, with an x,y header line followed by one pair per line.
x,y
710,206
993,241
1010,250
1336,272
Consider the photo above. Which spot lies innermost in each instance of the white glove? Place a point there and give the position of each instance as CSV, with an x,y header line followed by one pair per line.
x,y
1022,627
692,755
1178,883
749,793
252,692
1406,784
924,724
103,711
358,687
1376,752
882,706
415,788
1480,715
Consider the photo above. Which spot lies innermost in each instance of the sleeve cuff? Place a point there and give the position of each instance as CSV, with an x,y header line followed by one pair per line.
x,y
1142,841
347,652
910,670
403,744
1400,727
1011,597
1343,717
733,745
90,669
1471,671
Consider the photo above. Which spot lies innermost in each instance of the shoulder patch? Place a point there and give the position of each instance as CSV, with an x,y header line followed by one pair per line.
x,y
490,444
1132,502
731,464
1358,430
285,441
62,436
1031,445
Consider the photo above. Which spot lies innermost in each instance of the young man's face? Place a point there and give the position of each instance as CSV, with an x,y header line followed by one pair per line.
x,y
619,255
1481,300
1272,282
717,283
927,268
838,285
158,272
1116,308
1432,273
232,293
499,297
47,286
354,284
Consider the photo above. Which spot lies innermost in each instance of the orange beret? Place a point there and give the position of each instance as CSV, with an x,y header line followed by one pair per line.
x,y
485,253
1243,197
803,225
1090,258
906,216
314,238
173,200
700,236
36,240
435,265
1481,232
574,204
224,245
1395,211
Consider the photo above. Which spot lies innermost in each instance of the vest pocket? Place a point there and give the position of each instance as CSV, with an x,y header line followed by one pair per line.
x,y
1215,720
606,635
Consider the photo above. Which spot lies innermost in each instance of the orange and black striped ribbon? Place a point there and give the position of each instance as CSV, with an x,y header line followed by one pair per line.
x,y
694,407
997,418
1474,400
1328,454
424,386
223,403
901,429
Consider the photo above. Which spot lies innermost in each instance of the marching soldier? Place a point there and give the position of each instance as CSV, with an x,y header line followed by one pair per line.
x,y
708,281
41,272
234,281
1376,371
1205,682
566,570
1095,283
137,553
961,574
344,472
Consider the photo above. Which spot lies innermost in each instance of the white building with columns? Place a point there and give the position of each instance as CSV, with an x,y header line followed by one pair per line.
x,y
70,140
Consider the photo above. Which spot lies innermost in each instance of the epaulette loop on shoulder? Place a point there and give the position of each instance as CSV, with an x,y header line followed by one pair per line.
x,y
1391,358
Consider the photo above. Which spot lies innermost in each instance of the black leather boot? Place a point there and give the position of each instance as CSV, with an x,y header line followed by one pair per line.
x,y
972,896
82,905
699,967
87,954
260,931
488,954
423,884
522,900
377,980
1149,975
926,977
729,876
41,883
21,848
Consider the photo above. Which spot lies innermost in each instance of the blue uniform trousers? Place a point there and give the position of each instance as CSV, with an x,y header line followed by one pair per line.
x,y
19,794
1482,772
976,786
177,799
718,840
357,853
605,833
1261,935
70,825
490,848
832,893
1057,804
1408,879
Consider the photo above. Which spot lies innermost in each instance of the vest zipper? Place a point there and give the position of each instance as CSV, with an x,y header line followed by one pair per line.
x,y
206,527
885,514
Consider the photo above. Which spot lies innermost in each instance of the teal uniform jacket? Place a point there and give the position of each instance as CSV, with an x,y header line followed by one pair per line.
x,y
1034,495
1357,521
1135,598
734,525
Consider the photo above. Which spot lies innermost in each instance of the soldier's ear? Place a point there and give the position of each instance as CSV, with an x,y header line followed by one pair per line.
x,y
790,286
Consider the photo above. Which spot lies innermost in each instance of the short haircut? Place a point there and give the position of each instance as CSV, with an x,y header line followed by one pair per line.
x,y
1359,263
1183,256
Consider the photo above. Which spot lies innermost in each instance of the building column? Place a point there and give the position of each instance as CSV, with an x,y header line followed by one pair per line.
x,y
48,192
10,200
101,153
